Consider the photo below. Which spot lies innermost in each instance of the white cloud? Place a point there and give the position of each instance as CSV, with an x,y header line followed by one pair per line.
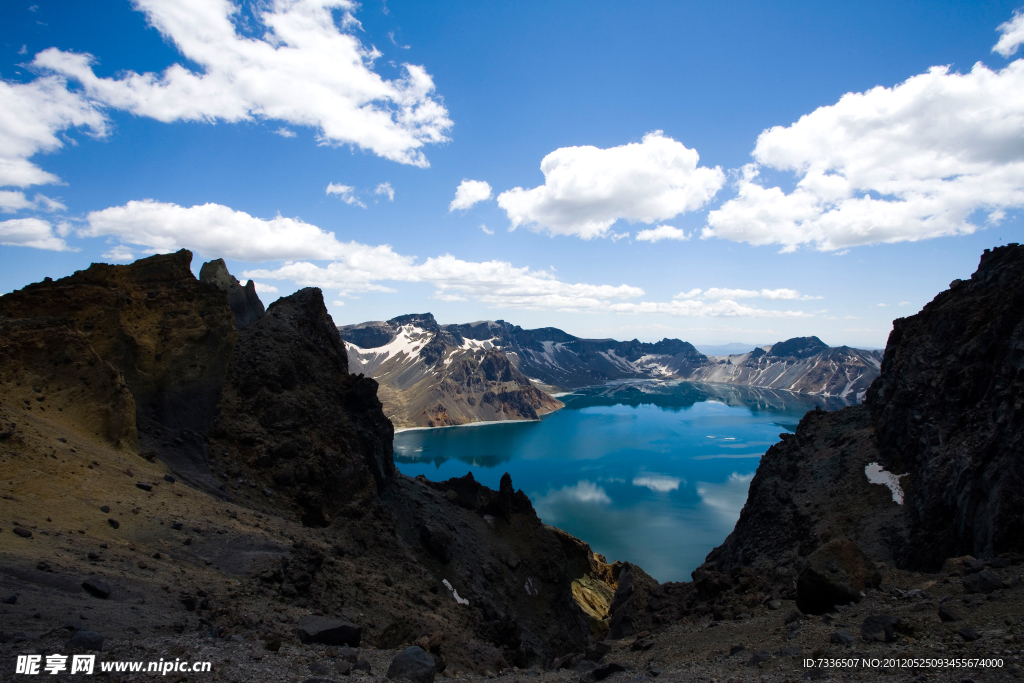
x,y
719,293
304,70
31,232
907,163
587,189
387,190
904,303
688,308
31,115
12,201
262,288
468,193
662,232
119,253
219,231
216,231
881,305
487,231
346,193
660,483
285,132
1011,35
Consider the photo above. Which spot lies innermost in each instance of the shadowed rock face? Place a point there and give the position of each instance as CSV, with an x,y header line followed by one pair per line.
x,y
292,415
170,335
243,301
946,413
948,409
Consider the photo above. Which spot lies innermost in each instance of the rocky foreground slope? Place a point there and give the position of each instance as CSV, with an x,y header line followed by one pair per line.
x,y
434,375
221,472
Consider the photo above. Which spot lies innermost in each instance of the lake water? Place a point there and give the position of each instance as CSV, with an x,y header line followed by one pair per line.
x,y
650,472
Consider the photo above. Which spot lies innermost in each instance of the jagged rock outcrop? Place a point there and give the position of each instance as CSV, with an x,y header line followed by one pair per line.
x,y
169,335
243,301
942,430
293,417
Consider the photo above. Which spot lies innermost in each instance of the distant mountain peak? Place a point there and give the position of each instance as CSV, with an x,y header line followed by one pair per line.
x,y
798,347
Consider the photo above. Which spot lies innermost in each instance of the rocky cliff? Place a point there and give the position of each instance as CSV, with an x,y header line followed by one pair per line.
x,y
429,373
122,385
930,466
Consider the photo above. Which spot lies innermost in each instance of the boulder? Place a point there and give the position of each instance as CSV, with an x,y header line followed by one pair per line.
x,y
984,581
880,627
97,588
86,640
314,629
835,574
412,664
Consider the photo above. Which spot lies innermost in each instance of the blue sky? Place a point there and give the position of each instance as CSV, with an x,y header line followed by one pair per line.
x,y
730,172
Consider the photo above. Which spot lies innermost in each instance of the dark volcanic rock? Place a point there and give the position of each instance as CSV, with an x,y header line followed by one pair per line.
x,y
985,581
841,637
603,672
947,613
948,410
313,629
86,640
628,610
291,413
880,627
946,413
412,664
243,301
97,588
835,574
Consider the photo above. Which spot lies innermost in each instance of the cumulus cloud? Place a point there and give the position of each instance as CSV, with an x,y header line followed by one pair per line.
x,y
345,193
306,69
659,483
31,232
1011,35
12,201
214,230
724,293
285,132
907,163
587,189
386,190
487,231
662,232
468,193
219,231
31,116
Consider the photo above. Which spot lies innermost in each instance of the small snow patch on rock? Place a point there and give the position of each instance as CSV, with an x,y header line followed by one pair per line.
x,y
876,474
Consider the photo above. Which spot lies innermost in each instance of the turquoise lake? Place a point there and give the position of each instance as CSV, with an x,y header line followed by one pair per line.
x,y
650,472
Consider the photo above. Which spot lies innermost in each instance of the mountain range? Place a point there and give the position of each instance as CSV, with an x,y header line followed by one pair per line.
x,y
435,375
